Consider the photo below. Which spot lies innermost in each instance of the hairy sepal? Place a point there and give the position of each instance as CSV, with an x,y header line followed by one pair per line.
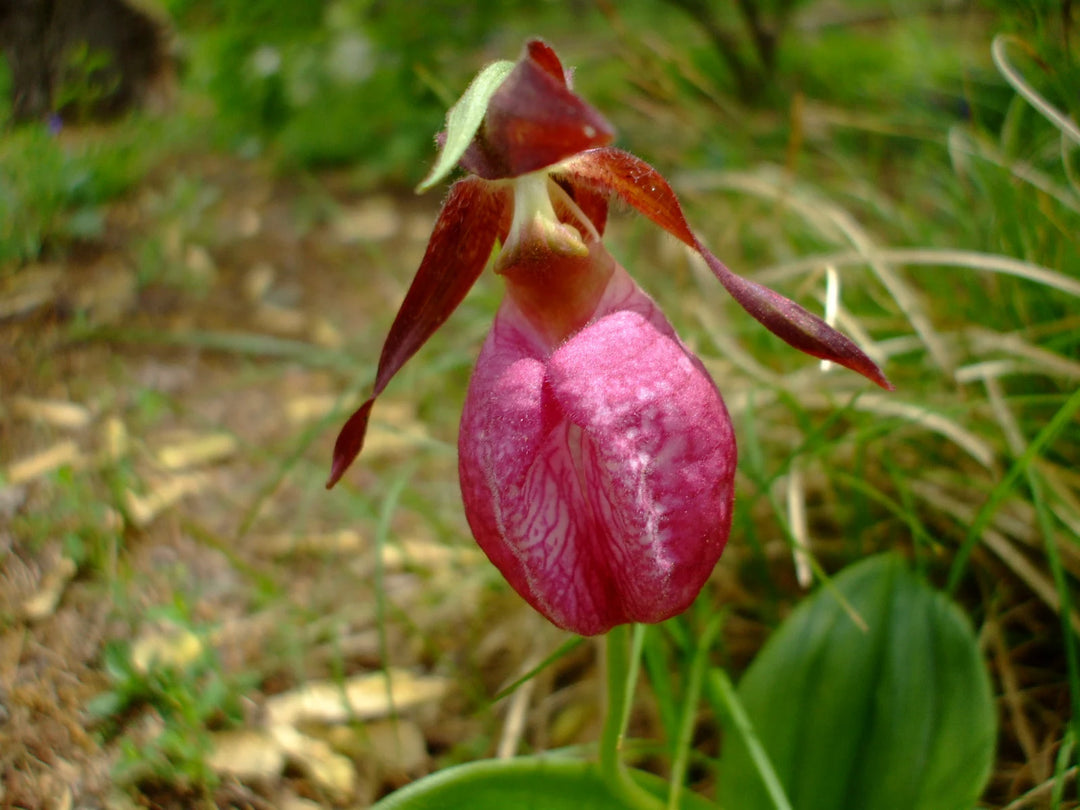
x,y
634,181
457,252
534,120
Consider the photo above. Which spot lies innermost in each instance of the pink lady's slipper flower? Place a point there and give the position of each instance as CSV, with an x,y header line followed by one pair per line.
x,y
597,458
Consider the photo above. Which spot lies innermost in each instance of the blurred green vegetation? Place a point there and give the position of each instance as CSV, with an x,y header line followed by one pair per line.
x,y
350,81
363,85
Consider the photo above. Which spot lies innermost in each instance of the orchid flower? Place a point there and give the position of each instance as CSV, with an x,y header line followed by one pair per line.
x,y
596,457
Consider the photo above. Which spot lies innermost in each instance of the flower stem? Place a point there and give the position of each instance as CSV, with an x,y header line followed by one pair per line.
x,y
617,700
622,672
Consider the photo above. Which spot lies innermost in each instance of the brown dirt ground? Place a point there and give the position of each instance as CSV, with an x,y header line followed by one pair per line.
x,y
103,363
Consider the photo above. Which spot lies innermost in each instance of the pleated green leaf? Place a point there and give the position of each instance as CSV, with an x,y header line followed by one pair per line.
x,y
524,783
897,716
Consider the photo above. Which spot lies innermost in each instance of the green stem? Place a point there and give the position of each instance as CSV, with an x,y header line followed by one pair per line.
x,y
637,644
621,678
617,700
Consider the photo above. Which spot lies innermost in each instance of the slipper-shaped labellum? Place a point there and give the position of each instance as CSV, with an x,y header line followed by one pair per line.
x,y
596,456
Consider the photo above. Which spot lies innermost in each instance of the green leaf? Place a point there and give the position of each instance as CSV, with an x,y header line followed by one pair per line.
x,y
464,119
526,783
898,715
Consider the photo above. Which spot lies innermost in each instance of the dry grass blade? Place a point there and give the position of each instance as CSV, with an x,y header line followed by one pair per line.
x,y
962,511
359,697
1038,796
1010,682
58,413
1009,427
915,414
1067,507
928,257
800,530
1059,119
516,714
832,305
1036,360
62,454
963,144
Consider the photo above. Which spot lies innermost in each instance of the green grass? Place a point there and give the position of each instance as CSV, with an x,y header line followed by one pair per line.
x,y
176,674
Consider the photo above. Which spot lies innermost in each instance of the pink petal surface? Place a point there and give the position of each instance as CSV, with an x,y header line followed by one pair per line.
x,y
598,477
457,253
639,184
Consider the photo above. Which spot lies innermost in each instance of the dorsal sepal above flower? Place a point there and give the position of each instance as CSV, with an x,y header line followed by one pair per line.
x,y
534,120
621,174
545,57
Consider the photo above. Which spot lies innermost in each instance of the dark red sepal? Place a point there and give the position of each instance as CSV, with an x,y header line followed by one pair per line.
x,y
545,57
534,120
639,184
350,442
458,250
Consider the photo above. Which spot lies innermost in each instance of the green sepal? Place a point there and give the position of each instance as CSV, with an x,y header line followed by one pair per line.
x,y
464,119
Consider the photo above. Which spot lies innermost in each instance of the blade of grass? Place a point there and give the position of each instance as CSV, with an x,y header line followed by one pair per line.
x,y
997,542
1062,771
723,694
982,519
1036,797
966,144
902,511
690,699
637,643
242,343
658,668
1012,76
382,535
1053,558
563,649
928,257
